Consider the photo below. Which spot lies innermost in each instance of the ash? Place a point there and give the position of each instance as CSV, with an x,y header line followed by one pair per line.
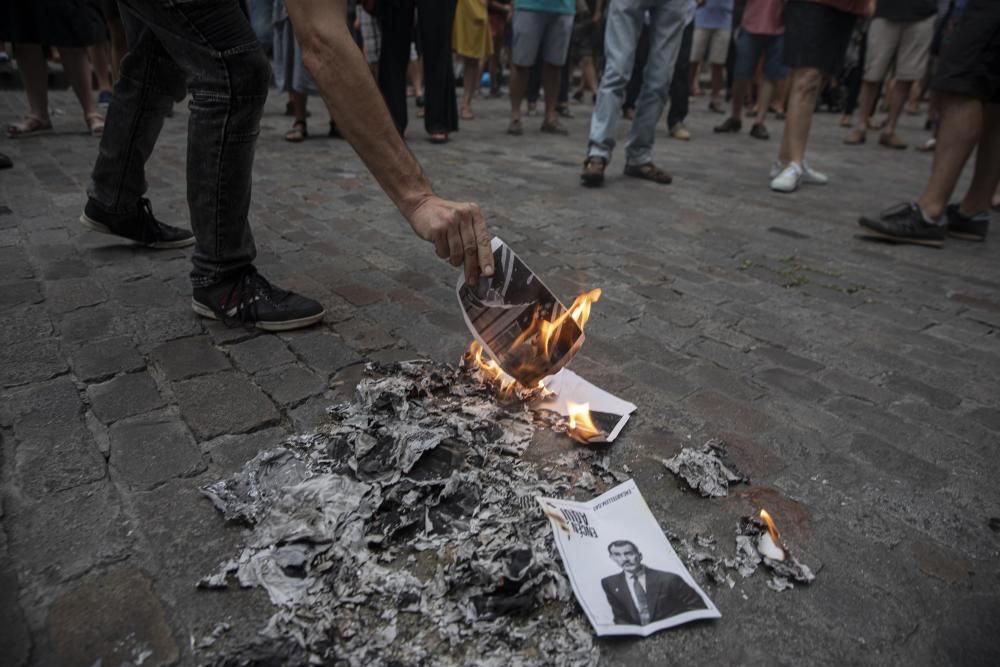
x,y
701,555
705,469
406,532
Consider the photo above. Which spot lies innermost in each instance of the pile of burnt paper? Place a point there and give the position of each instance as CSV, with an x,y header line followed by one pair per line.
x,y
407,532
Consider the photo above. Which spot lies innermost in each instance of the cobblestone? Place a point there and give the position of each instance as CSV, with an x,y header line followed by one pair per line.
x,y
856,382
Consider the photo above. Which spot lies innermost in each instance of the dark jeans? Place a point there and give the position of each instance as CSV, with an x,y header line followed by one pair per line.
x,y
209,50
634,86
434,19
680,85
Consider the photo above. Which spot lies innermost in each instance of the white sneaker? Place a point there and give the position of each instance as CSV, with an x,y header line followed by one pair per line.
x,y
788,179
809,175
813,177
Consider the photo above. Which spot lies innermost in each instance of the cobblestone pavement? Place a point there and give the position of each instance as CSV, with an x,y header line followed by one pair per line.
x,y
856,382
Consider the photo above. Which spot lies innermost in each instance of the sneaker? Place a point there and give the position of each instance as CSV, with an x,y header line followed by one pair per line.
x,y
515,128
252,301
564,111
680,132
140,226
968,227
104,98
788,179
729,125
593,171
758,131
532,108
812,177
904,223
555,127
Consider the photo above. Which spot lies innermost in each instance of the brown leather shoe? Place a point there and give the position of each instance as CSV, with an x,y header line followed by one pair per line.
x,y
593,171
649,172
892,140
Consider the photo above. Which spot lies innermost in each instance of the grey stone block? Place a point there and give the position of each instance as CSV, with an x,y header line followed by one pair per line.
x,y
150,452
31,361
102,359
321,351
793,384
260,353
894,462
290,385
788,360
15,641
186,357
65,295
124,396
111,618
223,403
228,453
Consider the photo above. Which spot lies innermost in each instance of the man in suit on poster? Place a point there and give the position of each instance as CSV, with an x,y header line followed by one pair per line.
x,y
640,595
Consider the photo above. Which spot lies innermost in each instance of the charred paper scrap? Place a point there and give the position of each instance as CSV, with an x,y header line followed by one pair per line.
x,y
753,533
624,572
570,395
705,469
518,320
406,532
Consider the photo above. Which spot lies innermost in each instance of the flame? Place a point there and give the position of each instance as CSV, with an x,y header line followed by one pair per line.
x,y
579,311
771,528
492,369
581,426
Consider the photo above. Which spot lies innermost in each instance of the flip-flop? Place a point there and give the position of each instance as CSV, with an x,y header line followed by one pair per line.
x,y
297,133
31,124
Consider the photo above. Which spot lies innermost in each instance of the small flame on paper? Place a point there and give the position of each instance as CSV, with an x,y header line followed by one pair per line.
x,y
769,544
581,427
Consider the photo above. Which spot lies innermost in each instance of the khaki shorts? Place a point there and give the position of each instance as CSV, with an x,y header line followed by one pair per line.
x,y
910,43
714,43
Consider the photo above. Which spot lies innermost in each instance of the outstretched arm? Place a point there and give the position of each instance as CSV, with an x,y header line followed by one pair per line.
x,y
457,230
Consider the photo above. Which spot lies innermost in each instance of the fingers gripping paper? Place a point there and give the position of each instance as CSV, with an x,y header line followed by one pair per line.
x,y
625,574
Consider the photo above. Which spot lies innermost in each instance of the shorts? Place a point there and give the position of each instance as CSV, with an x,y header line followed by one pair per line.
x,y
909,43
371,36
714,43
750,46
816,35
586,40
548,31
970,55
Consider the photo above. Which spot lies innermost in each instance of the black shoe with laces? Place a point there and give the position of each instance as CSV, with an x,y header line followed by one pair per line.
x,y
968,227
729,125
139,226
904,224
758,131
250,300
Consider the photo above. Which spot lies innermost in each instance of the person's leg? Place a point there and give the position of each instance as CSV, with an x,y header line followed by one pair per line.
x,y
119,45
961,126
527,29
396,22
470,82
897,98
634,86
434,20
985,178
680,85
534,90
550,86
35,77
76,67
555,54
718,76
764,94
805,84
748,49
297,100
227,77
624,21
100,58
588,75
666,27
866,101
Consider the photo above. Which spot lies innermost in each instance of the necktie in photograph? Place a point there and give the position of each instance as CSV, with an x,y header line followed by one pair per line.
x,y
640,597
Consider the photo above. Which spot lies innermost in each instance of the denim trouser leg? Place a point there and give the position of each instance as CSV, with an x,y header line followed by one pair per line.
x,y
227,76
620,38
666,28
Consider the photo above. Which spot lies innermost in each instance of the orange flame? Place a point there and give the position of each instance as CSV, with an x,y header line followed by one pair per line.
x,y
581,426
770,527
491,369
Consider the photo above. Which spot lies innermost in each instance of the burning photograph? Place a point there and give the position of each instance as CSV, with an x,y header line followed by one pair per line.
x,y
519,321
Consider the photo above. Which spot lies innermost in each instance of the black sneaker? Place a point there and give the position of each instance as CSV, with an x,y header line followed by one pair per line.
x,y
140,226
968,227
252,301
758,131
729,125
904,224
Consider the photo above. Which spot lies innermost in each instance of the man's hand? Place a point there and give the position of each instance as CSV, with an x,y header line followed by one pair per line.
x,y
458,232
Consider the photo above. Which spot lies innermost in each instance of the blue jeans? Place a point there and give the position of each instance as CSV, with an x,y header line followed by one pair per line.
x,y
205,48
666,27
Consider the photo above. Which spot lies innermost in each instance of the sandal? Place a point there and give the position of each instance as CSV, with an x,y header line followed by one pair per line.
x,y
466,114
95,122
31,124
439,137
298,132
649,172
